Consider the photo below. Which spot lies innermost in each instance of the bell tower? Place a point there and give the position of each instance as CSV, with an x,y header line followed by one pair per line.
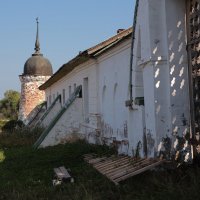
x,y
37,70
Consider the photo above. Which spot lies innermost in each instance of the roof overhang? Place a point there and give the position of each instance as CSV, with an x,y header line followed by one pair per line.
x,y
65,69
84,56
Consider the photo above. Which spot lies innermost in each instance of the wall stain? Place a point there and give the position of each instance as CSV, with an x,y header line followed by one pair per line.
x,y
150,143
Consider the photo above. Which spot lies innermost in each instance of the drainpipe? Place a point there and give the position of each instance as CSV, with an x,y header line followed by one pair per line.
x,y
129,103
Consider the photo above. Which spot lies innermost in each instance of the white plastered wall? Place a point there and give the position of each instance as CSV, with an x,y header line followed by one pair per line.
x,y
113,77
67,128
163,60
109,115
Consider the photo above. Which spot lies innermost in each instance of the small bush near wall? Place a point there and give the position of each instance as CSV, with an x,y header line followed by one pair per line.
x,y
12,125
2,123
19,137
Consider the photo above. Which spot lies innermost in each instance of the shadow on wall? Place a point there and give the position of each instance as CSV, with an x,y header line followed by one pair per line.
x,y
176,142
35,114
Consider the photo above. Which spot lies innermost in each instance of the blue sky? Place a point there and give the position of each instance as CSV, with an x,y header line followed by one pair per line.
x,y
66,27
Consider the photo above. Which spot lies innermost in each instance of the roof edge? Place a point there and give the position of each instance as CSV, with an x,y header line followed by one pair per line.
x,y
65,69
85,56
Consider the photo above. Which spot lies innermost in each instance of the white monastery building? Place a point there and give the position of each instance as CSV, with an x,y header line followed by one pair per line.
x,y
138,90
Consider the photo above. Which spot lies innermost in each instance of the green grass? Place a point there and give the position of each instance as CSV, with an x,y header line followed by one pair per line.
x,y
26,173
20,137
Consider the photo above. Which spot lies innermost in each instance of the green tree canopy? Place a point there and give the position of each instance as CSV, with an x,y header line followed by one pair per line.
x,y
9,105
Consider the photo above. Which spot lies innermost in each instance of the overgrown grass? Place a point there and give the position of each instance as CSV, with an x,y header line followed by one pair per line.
x,y
26,173
19,137
3,122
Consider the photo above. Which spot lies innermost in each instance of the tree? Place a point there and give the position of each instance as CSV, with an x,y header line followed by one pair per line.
x,y
9,105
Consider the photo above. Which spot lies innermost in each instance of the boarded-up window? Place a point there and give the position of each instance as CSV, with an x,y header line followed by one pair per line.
x,y
63,95
47,100
70,90
50,100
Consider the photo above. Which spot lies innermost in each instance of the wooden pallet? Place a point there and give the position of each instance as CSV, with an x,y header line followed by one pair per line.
x,y
119,168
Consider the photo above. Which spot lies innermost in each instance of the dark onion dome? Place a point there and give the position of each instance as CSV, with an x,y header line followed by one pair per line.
x,y
37,64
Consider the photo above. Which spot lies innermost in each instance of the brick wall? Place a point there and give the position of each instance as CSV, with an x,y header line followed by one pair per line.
x,y
31,96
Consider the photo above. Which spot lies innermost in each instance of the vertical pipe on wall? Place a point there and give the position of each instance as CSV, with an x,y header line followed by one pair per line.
x,y
130,101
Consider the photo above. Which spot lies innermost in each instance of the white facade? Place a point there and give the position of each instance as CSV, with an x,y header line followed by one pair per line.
x,y
67,127
160,76
160,71
103,92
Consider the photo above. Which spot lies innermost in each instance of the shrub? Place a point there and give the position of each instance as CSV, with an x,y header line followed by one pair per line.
x,y
20,137
11,125
2,123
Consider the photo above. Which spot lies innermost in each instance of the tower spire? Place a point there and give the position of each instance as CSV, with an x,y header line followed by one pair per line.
x,y
37,43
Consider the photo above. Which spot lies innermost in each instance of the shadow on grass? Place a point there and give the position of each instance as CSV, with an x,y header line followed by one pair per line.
x,y
27,174
19,137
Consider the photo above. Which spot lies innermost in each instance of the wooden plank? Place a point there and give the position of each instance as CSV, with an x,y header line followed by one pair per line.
x,y
62,173
120,168
96,160
110,164
65,172
57,172
106,165
113,167
118,173
108,160
138,171
90,155
109,171
87,157
130,170
118,164
129,162
141,163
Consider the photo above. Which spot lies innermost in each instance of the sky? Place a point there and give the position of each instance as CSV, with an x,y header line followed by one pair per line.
x,y
65,28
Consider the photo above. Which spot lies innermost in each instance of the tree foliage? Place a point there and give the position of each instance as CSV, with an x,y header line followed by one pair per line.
x,y
9,105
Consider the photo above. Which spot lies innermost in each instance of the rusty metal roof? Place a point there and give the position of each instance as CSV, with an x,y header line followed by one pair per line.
x,y
84,56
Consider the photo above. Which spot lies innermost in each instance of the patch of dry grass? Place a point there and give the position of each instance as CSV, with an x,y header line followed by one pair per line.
x,y
19,137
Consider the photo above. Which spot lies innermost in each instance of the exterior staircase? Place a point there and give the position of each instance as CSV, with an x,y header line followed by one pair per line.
x,y
48,111
40,111
71,99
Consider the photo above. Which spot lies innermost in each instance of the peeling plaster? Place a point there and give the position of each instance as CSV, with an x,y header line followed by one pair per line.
x,y
150,143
